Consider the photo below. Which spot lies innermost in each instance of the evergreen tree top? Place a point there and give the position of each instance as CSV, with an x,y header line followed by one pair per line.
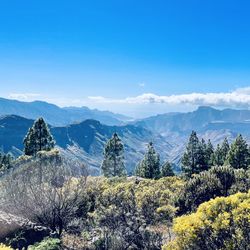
x,y
113,163
149,167
167,170
38,138
238,156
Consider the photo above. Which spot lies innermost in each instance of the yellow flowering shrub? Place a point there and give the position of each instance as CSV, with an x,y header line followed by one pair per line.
x,y
3,247
221,223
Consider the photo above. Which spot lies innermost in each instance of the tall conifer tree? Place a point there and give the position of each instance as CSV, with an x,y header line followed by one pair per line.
x,y
202,161
209,154
38,138
217,157
225,147
167,170
149,167
192,158
114,163
238,155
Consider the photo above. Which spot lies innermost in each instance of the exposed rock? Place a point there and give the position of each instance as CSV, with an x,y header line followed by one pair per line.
x,y
12,226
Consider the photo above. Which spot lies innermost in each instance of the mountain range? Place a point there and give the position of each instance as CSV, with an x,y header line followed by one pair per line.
x,y
208,122
57,116
204,118
85,139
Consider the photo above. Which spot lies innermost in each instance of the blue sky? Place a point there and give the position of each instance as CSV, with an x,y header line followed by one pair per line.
x,y
109,54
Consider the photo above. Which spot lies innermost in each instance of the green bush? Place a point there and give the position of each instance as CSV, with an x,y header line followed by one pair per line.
x,y
125,209
218,181
47,244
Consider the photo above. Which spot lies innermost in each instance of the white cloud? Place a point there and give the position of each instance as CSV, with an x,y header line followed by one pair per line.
x,y
148,103
238,98
24,96
243,90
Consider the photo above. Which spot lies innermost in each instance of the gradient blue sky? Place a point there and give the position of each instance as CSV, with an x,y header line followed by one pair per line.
x,y
67,51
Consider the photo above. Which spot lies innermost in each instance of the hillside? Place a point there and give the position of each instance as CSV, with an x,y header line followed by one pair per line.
x,y
209,123
84,140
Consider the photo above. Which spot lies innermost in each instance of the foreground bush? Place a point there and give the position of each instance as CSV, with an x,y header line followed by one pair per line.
x,y
125,209
43,190
47,244
222,223
216,182
153,198
3,247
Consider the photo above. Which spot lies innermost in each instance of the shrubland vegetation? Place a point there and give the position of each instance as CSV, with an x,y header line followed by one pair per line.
x,y
221,223
3,247
54,204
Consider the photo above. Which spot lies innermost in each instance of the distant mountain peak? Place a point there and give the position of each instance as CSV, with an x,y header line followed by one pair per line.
x,y
89,122
14,118
205,108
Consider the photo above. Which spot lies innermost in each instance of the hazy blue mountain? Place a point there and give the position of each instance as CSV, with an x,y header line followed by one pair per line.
x,y
57,116
84,140
12,131
105,117
209,123
203,118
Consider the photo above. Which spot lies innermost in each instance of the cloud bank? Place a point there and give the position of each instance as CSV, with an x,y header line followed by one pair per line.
x,y
239,98
24,96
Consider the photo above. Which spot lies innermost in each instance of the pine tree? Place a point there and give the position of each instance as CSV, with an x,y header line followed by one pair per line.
x,y
167,170
5,162
209,154
220,153
38,138
149,167
238,155
225,147
217,157
138,171
202,161
193,156
198,156
113,163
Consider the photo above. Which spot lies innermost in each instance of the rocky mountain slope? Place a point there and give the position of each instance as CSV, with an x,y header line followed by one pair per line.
x,y
209,123
202,119
84,140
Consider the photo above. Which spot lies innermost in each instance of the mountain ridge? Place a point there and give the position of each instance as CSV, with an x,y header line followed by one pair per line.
x,y
56,115
84,140
194,120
